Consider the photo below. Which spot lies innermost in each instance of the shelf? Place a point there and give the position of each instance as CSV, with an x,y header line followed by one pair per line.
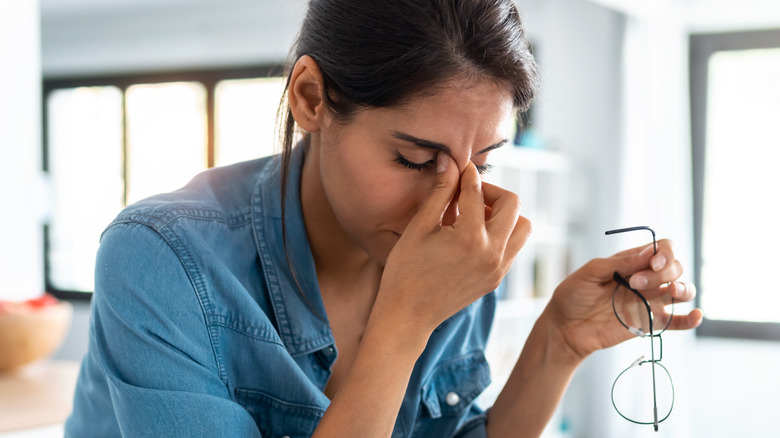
x,y
524,158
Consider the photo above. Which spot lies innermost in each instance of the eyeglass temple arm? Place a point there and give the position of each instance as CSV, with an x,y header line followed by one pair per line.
x,y
641,227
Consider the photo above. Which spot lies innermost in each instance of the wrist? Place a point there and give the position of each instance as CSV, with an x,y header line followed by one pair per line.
x,y
561,344
399,334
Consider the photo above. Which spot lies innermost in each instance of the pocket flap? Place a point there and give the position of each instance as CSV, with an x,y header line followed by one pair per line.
x,y
453,385
276,418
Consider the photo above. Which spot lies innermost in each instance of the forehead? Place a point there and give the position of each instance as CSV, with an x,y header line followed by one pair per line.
x,y
467,116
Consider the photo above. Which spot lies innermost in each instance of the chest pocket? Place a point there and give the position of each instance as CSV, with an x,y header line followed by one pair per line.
x,y
453,385
279,419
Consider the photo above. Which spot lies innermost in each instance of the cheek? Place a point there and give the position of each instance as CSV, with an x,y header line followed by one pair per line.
x,y
367,192
391,196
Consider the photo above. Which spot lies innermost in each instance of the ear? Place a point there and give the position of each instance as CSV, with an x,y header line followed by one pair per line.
x,y
305,94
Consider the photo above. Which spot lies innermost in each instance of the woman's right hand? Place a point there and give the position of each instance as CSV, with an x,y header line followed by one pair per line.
x,y
436,269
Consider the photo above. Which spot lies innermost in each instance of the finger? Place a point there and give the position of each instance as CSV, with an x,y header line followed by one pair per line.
x,y
520,235
444,187
471,202
647,250
647,279
663,256
680,291
504,209
685,322
634,260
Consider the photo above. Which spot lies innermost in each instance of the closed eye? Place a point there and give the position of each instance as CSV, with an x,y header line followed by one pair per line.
x,y
401,160
411,164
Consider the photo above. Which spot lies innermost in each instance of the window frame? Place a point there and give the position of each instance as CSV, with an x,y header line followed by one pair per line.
x,y
701,48
209,78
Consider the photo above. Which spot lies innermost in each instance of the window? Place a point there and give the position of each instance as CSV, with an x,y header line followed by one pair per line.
x,y
735,92
109,142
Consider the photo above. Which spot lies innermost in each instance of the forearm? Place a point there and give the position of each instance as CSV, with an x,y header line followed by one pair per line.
x,y
536,385
368,401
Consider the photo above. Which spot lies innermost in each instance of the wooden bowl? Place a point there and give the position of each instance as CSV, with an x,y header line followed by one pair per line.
x,y
31,333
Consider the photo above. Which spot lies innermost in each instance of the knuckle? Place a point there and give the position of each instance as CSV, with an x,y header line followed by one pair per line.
x,y
512,199
601,264
525,224
493,261
441,184
473,187
679,270
472,244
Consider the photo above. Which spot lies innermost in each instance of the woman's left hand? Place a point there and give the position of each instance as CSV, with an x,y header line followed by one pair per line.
x,y
581,307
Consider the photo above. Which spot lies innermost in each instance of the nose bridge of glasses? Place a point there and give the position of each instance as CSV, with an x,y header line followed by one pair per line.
x,y
660,348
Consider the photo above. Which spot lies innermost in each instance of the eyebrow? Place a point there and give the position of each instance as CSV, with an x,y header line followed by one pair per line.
x,y
427,144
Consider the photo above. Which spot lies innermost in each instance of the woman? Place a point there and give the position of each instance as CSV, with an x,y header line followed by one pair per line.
x,y
344,288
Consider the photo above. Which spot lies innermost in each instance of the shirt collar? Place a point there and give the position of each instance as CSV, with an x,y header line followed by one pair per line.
x,y
298,307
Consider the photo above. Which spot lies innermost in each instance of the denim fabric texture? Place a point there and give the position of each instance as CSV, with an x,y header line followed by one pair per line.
x,y
199,330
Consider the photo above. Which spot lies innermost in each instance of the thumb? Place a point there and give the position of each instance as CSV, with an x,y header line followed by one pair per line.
x,y
444,187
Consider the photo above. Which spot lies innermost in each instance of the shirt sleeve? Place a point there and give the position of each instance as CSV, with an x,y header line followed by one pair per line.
x,y
150,352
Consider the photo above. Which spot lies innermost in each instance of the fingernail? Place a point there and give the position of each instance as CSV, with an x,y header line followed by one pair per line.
x,y
638,281
658,262
441,162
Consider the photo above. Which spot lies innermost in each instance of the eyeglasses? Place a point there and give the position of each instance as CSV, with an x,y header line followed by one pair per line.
x,y
644,318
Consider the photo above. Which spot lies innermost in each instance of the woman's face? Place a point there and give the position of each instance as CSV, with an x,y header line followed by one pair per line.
x,y
377,170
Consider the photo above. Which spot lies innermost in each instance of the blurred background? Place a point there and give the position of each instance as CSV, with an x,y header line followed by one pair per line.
x,y
659,113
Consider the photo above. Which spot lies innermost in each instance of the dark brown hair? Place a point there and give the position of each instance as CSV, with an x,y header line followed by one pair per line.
x,y
385,52
382,53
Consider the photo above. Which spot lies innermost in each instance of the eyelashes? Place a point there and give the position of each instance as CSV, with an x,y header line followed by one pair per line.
x,y
485,168
412,165
399,159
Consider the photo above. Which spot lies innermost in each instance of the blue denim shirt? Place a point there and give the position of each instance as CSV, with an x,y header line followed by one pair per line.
x,y
198,327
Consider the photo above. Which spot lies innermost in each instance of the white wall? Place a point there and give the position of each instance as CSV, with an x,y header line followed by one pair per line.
x,y
167,35
22,189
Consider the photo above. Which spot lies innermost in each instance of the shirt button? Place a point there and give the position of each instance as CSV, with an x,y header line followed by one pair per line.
x,y
452,398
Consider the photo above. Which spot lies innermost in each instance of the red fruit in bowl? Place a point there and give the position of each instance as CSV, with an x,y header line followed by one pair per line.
x,y
32,329
42,301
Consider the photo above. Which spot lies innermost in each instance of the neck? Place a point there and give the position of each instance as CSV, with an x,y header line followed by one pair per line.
x,y
334,252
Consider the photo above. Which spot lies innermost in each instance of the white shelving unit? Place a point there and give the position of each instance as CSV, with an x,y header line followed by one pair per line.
x,y
540,178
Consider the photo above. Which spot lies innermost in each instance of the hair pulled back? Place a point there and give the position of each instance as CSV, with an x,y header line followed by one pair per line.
x,y
385,52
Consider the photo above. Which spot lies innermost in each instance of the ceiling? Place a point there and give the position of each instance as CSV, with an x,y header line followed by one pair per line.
x,y
55,8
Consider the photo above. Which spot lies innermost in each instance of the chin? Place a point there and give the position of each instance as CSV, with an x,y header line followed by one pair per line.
x,y
381,251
